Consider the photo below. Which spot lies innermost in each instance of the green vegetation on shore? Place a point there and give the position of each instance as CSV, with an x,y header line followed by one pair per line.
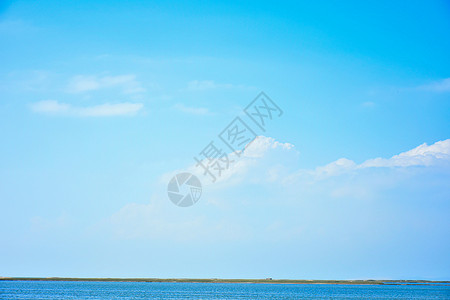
x,y
215,280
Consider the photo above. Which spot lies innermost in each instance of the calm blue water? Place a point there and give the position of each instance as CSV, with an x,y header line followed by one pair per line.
x,y
144,290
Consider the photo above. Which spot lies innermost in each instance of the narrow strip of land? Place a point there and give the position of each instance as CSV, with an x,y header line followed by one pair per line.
x,y
216,280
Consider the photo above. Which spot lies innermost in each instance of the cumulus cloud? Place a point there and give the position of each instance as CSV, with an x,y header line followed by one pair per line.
x,y
266,177
237,166
260,146
52,107
266,159
83,83
422,155
334,168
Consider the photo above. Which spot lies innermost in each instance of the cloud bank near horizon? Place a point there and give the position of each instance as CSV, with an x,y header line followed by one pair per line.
x,y
265,178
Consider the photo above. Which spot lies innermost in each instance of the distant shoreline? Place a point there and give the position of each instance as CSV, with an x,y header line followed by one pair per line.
x,y
214,280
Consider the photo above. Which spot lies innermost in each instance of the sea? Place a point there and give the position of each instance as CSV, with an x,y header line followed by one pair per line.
x,y
167,290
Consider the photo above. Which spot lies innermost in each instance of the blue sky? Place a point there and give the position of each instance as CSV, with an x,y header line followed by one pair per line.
x,y
102,102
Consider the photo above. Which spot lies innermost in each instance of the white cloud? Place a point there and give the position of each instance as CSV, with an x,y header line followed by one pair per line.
x,y
127,83
266,159
437,86
422,155
107,109
266,178
368,104
259,150
335,168
50,107
262,144
192,110
201,85
53,107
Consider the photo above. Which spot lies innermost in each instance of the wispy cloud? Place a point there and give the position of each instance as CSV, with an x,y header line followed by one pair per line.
x,y
368,104
192,110
203,85
153,221
437,86
11,26
52,107
86,83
